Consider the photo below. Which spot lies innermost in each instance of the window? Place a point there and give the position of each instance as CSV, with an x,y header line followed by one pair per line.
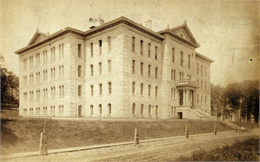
x,y
198,98
109,87
24,112
141,68
45,111
171,92
60,51
201,85
181,58
198,82
91,70
53,54
173,55
156,91
197,68
133,87
133,44
142,89
189,61
205,99
149,70
149,49
79,70
156,50
38,59
109,43
79,90
91,109
141,47
100,68
205,71
201,99
174,93
133,66
172,112
100,47
100,89
91,49
156,110
133,109
109,109
201,68
149,90
100,109
172,74
25,66
142,109
79,50
109,66
92,90
149,110
156,71
206,86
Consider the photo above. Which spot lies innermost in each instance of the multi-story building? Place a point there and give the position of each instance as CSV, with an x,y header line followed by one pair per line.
x,y
119,69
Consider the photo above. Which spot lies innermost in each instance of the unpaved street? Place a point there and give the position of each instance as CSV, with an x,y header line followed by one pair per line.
x,y
167,150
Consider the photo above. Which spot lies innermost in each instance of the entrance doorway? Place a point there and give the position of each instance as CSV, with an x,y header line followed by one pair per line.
x,y
79,111
179,115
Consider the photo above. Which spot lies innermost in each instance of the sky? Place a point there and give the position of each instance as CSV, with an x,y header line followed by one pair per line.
x,y
227,31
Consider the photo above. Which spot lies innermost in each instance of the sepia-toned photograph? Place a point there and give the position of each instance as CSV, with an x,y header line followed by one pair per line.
x,y
129,80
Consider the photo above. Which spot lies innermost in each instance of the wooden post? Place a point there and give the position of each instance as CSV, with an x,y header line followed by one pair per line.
x,y
187,132
40,148
215,129
135,137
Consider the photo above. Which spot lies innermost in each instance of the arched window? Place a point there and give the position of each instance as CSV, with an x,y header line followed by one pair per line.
x,y
92,70
100,109
173,55
79,50
142,109
133,66
79,110
79,71
109,109
91,109
79,90
149,110
172,74
100,68
181,58
156,71
156,91
109,87
133,109
156,110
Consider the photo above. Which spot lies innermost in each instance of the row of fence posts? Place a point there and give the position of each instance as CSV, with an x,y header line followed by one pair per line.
x,y
43,138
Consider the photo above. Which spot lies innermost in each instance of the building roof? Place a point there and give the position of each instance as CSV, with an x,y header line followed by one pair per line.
x,y
203,57
40,38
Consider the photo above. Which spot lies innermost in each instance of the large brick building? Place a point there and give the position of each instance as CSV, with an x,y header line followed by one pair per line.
x,y
119,69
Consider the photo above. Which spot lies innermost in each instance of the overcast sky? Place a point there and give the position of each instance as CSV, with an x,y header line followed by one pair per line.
x,y
228,32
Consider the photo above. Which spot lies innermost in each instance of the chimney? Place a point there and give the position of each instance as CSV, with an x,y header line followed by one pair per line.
x,y
167,26
148,24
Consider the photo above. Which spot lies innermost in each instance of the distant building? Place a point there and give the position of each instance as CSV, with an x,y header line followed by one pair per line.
x,y
119,69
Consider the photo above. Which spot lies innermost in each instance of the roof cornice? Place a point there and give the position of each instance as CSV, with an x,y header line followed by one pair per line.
x,y
121,20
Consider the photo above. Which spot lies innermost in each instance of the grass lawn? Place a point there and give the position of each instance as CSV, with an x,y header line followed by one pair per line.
x,y
22,134
247,150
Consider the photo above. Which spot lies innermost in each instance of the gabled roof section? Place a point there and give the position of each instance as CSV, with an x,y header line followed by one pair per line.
x,y
182,32
203,57
37,37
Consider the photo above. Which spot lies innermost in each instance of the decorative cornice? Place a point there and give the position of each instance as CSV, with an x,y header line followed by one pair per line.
x,y
121,20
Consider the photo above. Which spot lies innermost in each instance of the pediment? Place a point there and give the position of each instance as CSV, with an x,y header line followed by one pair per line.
x,y
184,32
37,37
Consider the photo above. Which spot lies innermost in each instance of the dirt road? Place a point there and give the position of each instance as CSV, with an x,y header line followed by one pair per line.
x,y
167,150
